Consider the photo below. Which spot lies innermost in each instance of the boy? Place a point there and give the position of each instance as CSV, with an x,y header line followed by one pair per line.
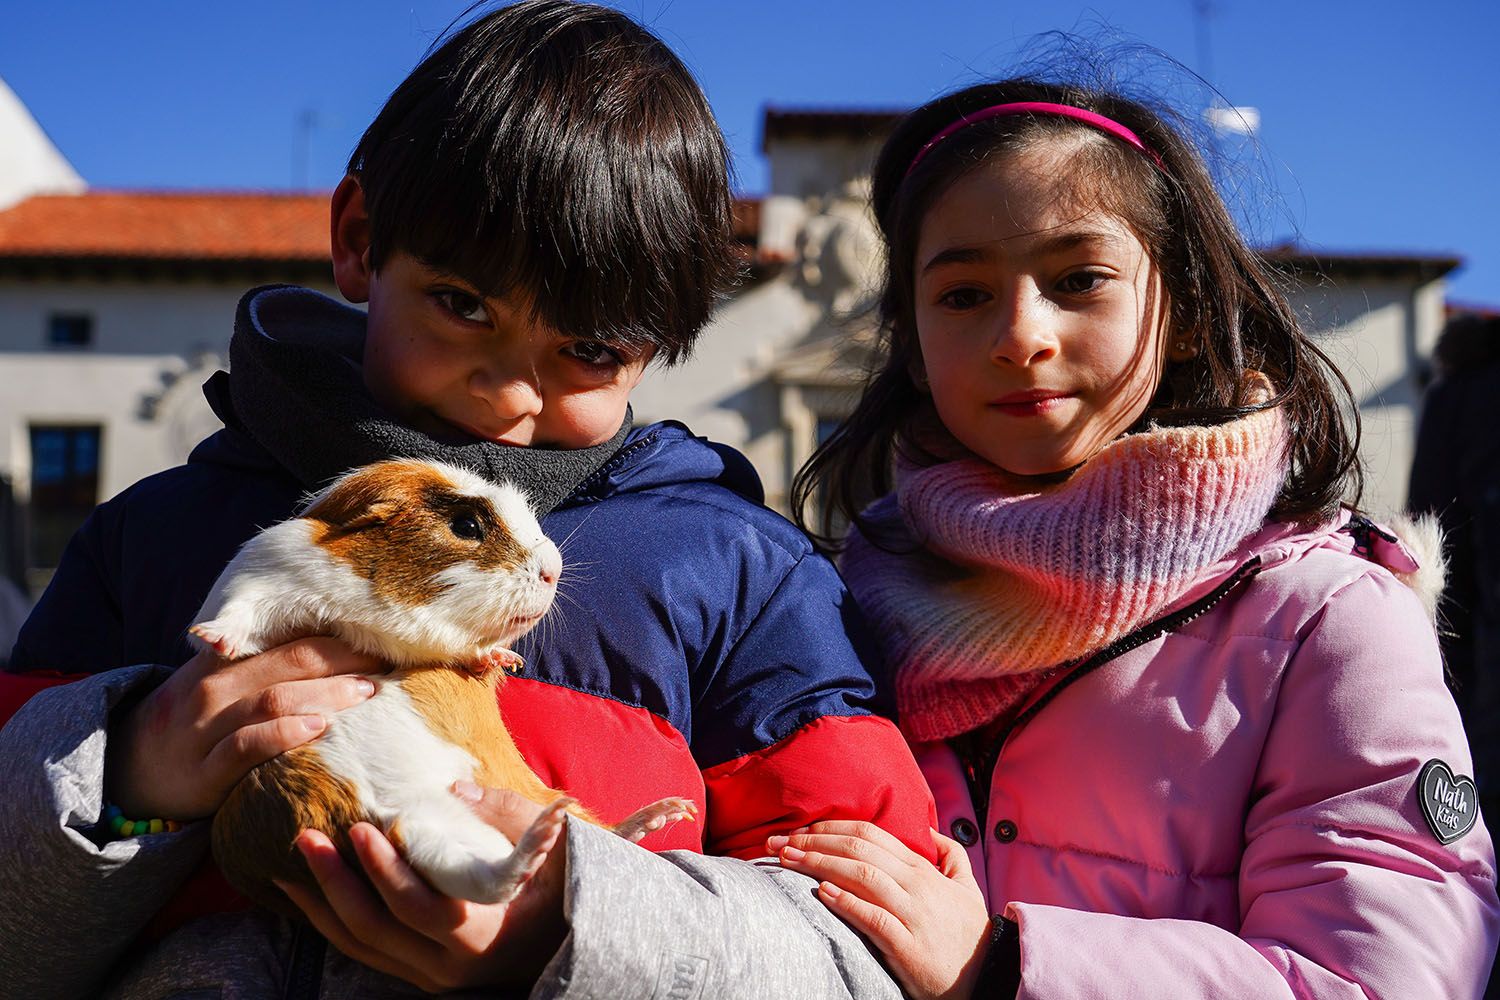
x,y
539,210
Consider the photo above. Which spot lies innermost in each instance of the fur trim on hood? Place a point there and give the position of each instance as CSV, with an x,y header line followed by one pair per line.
x,y
1422,537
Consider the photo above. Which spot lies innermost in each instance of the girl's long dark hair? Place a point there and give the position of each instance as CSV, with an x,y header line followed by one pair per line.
x,y
1222,296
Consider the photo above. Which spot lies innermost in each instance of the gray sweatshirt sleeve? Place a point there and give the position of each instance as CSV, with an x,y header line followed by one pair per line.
x,y
71,907
684,926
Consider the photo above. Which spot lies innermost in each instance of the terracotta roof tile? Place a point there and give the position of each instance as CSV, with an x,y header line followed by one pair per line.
x,y
176,225
747,220
198,225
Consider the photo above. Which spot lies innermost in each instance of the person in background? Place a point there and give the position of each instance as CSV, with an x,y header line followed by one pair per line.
x,y
14,607
1455,476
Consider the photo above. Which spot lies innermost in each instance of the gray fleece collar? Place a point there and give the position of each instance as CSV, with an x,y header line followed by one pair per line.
x,y
295,387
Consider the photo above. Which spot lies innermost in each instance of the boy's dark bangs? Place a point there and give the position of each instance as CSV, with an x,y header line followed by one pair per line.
x,y
601,261
570,161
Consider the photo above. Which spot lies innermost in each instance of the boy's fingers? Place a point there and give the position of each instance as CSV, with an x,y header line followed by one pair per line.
x,y
874,922
302,659
872,833
233,756
358,910
324,919
410,899
327,923
322,697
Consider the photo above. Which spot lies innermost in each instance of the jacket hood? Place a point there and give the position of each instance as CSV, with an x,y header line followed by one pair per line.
x,y
296,389
294,402
1411,549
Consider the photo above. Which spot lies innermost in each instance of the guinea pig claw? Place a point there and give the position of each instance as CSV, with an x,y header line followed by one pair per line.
x,y
655,816
213,636
531,851
499,657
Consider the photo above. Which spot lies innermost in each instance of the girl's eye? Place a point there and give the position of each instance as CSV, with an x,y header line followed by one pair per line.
x,y
461,304
1082,282
593,352
962,299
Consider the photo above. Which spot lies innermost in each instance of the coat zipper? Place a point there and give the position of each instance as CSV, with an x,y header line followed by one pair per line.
x,y
979,757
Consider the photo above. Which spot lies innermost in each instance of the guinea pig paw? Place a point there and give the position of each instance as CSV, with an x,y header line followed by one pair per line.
x,y
214,636
533,848
498,657
655,816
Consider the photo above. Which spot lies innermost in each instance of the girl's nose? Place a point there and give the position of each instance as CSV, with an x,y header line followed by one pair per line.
x,y
1024,333
510,397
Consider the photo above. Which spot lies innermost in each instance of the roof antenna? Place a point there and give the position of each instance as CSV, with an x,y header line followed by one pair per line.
x,y
1222,117
306,122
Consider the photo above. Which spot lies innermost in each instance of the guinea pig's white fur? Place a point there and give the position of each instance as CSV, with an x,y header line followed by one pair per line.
x,y
288,581
387,560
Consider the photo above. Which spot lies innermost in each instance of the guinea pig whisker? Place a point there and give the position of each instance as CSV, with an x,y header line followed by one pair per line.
x,y
562,544
547,629
570,568
563,595
558,608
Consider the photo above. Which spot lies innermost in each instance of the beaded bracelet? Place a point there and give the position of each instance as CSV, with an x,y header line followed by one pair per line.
x,y
123,827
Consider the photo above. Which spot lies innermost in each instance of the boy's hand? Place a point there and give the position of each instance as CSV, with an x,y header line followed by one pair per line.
x,y
436,943
931,924
178,753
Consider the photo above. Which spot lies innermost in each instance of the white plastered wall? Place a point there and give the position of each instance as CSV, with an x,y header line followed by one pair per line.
x,y
154,343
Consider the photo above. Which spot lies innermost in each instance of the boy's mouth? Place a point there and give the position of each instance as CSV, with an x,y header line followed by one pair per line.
x,y
474,432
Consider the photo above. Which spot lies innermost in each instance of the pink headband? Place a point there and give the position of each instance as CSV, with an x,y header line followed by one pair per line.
x,y
1099,122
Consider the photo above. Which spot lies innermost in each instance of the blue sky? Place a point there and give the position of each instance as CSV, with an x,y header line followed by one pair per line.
x,y
1380,130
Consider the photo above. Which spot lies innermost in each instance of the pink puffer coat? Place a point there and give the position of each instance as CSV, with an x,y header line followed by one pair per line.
x,y
1226,804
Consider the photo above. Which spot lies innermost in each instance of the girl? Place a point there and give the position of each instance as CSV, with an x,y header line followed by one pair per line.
x,y
1176,704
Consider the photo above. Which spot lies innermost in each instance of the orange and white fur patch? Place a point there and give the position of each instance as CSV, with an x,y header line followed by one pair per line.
x,y
433,570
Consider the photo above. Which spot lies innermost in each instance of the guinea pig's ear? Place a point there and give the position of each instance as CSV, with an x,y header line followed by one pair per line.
x,y
370,517
347,508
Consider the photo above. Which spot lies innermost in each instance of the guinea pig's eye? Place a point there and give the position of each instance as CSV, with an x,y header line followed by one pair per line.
x,y
467,526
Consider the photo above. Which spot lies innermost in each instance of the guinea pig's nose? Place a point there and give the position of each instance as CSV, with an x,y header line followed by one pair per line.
x,y
549,563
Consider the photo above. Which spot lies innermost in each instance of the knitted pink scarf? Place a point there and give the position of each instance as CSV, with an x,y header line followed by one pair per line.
x,y
1000,586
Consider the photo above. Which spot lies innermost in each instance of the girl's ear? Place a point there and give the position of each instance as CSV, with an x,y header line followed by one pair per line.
x,y
350,231
1183,347
916,370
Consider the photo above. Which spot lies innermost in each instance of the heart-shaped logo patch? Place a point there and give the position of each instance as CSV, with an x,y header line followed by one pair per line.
x,y
1449,802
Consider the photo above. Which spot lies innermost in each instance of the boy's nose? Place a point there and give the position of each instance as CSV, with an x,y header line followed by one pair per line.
x,y
509,397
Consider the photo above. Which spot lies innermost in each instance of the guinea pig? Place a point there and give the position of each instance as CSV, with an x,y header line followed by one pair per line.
x,y
436,571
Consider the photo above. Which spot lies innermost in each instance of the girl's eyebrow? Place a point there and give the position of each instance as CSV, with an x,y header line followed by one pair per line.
x,y
1055,242
1072,238
956,255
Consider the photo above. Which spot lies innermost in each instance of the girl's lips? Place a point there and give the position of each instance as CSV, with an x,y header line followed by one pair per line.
x,y
1031,403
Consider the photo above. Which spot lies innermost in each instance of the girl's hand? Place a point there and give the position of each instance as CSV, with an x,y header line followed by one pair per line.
x,y
436,943
930,923
179,752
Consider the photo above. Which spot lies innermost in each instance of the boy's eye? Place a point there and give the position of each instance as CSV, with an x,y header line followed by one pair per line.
x,y
962,298
461,304
593,352
1080,282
